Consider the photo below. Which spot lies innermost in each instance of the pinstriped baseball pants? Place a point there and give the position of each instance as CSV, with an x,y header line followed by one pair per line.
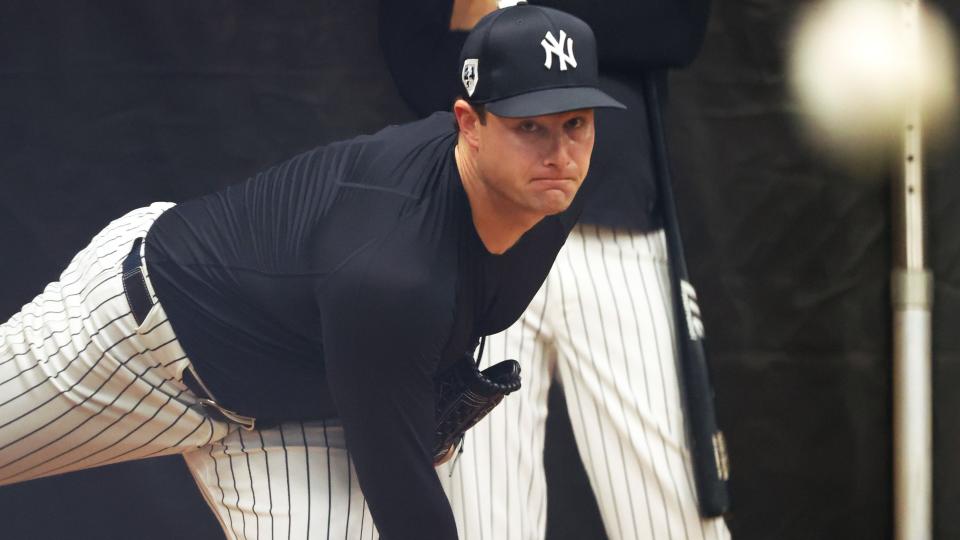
x,y
82,384
294,480
602,324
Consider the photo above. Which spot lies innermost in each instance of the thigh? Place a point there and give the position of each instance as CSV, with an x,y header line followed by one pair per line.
x,y
82,383
496,485
294,480
617,363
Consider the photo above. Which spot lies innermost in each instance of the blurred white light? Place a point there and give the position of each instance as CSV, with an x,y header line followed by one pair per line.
x,y
857,65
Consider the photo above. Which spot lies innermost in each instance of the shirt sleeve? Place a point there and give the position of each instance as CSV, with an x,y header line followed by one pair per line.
x,y
422,52
379,340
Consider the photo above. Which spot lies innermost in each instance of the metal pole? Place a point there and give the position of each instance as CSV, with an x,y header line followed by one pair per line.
x,y
912,298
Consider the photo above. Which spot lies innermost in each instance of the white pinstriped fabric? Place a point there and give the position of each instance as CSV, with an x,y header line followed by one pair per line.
x,y
294,480
81,383
603,325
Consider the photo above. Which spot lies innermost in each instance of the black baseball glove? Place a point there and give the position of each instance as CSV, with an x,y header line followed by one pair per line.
x,y
465,395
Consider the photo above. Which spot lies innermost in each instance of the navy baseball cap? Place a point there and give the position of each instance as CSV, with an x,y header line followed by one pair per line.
x,y
529,60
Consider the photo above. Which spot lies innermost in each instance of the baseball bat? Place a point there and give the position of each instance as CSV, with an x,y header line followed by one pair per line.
x,y
707,446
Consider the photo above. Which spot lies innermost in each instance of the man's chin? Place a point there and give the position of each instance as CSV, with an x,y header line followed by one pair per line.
x,y
550,208
547,203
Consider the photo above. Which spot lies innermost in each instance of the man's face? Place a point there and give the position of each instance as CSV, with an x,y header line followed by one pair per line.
x,y
536,164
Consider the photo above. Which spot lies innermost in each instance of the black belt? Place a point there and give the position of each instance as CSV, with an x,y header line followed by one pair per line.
x,y
134,284
138,296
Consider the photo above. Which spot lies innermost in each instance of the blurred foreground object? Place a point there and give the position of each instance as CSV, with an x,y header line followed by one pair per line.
x,y
874,76
911,296
857,65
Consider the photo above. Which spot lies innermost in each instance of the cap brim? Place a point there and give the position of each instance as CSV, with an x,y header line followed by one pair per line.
x,y
551,101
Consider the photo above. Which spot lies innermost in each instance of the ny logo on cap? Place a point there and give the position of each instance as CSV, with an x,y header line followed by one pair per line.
x,y
553,46
469,75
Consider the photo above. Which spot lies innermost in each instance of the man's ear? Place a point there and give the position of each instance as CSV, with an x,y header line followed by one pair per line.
x,y
468,121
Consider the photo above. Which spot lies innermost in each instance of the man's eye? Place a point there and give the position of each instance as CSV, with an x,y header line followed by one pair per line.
x,y
575,122
528,127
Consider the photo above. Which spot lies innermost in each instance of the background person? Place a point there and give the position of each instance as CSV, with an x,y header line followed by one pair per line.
x,y
603,321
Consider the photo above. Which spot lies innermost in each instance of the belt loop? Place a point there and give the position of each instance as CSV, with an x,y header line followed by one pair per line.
x,y
146,271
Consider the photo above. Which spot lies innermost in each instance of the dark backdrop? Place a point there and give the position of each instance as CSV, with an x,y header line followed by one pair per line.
x,y
110,105
791,256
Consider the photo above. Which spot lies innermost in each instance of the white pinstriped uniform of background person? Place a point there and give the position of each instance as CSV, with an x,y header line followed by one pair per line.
x,y
602,324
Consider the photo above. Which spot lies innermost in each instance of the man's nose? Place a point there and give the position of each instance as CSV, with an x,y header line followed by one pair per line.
x,y
558,151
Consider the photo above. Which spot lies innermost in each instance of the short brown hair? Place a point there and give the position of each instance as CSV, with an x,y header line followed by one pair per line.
x,y
481,110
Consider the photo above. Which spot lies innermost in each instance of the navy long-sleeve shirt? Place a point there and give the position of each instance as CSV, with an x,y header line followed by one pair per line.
x,y
337,284
633,37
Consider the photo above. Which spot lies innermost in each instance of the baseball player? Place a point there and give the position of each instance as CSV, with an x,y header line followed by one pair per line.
x,y
602,323
285,334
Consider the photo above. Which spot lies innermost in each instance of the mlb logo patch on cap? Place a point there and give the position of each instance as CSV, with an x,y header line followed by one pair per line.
x,y
469,75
